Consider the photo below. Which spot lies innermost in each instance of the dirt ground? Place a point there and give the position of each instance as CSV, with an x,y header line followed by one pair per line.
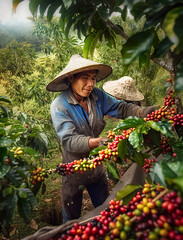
x,y
53,214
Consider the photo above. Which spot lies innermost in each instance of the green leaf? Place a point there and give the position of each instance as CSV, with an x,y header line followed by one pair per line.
x,y
62,24
164,127
33,6
170,26
30,151
36,188
44,5
110,38
103,12
112,170
5,142
3,153
144,59
127,193
66,3
23,208
4,170
138,8
96,150
152,139
5,99
176,167
69,22
14,177
162,48
138,158
124,13
130,122
2,132
22,193
177,30
16,130
137,45
122,148
178,149
7,112
52,9
168,172
179,77
87,44
7,191
30,197
136,140
8,205
179,184
157,173
94,42
23,172
43,190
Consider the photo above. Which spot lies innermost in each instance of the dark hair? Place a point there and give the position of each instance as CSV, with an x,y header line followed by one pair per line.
x,y
66,81
76,74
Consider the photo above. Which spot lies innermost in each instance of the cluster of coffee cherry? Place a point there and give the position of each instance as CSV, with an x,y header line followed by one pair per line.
x,y
166,112
78,166
82,165
152,214
148,163
177,120
124,135
169,100
111,152
17,151
38,175
166,148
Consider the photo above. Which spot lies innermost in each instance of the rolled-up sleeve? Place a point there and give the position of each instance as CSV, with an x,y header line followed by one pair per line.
x,y
117,108
67,132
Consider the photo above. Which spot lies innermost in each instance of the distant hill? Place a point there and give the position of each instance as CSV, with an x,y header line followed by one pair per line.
x,y
19,31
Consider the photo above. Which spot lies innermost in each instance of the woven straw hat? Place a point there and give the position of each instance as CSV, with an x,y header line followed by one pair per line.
x,y
77,64
124,89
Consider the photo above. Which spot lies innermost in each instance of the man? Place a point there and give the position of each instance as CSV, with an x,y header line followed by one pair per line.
x,y
77,114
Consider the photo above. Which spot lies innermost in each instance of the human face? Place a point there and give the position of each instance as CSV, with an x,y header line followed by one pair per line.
x,y
83,83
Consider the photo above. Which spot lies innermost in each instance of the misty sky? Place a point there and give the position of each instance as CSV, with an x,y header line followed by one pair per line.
x,y
21,14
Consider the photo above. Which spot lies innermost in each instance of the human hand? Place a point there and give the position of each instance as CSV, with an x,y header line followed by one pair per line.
x,y
147,110
94,142
103,142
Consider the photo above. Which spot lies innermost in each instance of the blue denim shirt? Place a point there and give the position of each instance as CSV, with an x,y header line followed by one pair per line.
x,y
72,124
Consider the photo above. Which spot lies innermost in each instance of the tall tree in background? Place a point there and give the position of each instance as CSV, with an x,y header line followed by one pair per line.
x,y
92,20
55,42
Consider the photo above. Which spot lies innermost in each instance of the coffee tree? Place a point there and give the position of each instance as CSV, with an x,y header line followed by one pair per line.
x,y
92,20
139,212
22,143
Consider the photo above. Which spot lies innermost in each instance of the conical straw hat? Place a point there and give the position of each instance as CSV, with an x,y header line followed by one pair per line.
x,y
124,89
77,64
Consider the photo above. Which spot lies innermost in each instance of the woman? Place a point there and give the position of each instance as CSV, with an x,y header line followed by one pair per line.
x,y
77,114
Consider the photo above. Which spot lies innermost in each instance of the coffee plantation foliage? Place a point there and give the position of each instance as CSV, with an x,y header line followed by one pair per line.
x,y
23,140
161,132
92,19
153,211
22,144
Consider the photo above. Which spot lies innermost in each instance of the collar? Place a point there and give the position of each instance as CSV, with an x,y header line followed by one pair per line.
x,y
72,100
